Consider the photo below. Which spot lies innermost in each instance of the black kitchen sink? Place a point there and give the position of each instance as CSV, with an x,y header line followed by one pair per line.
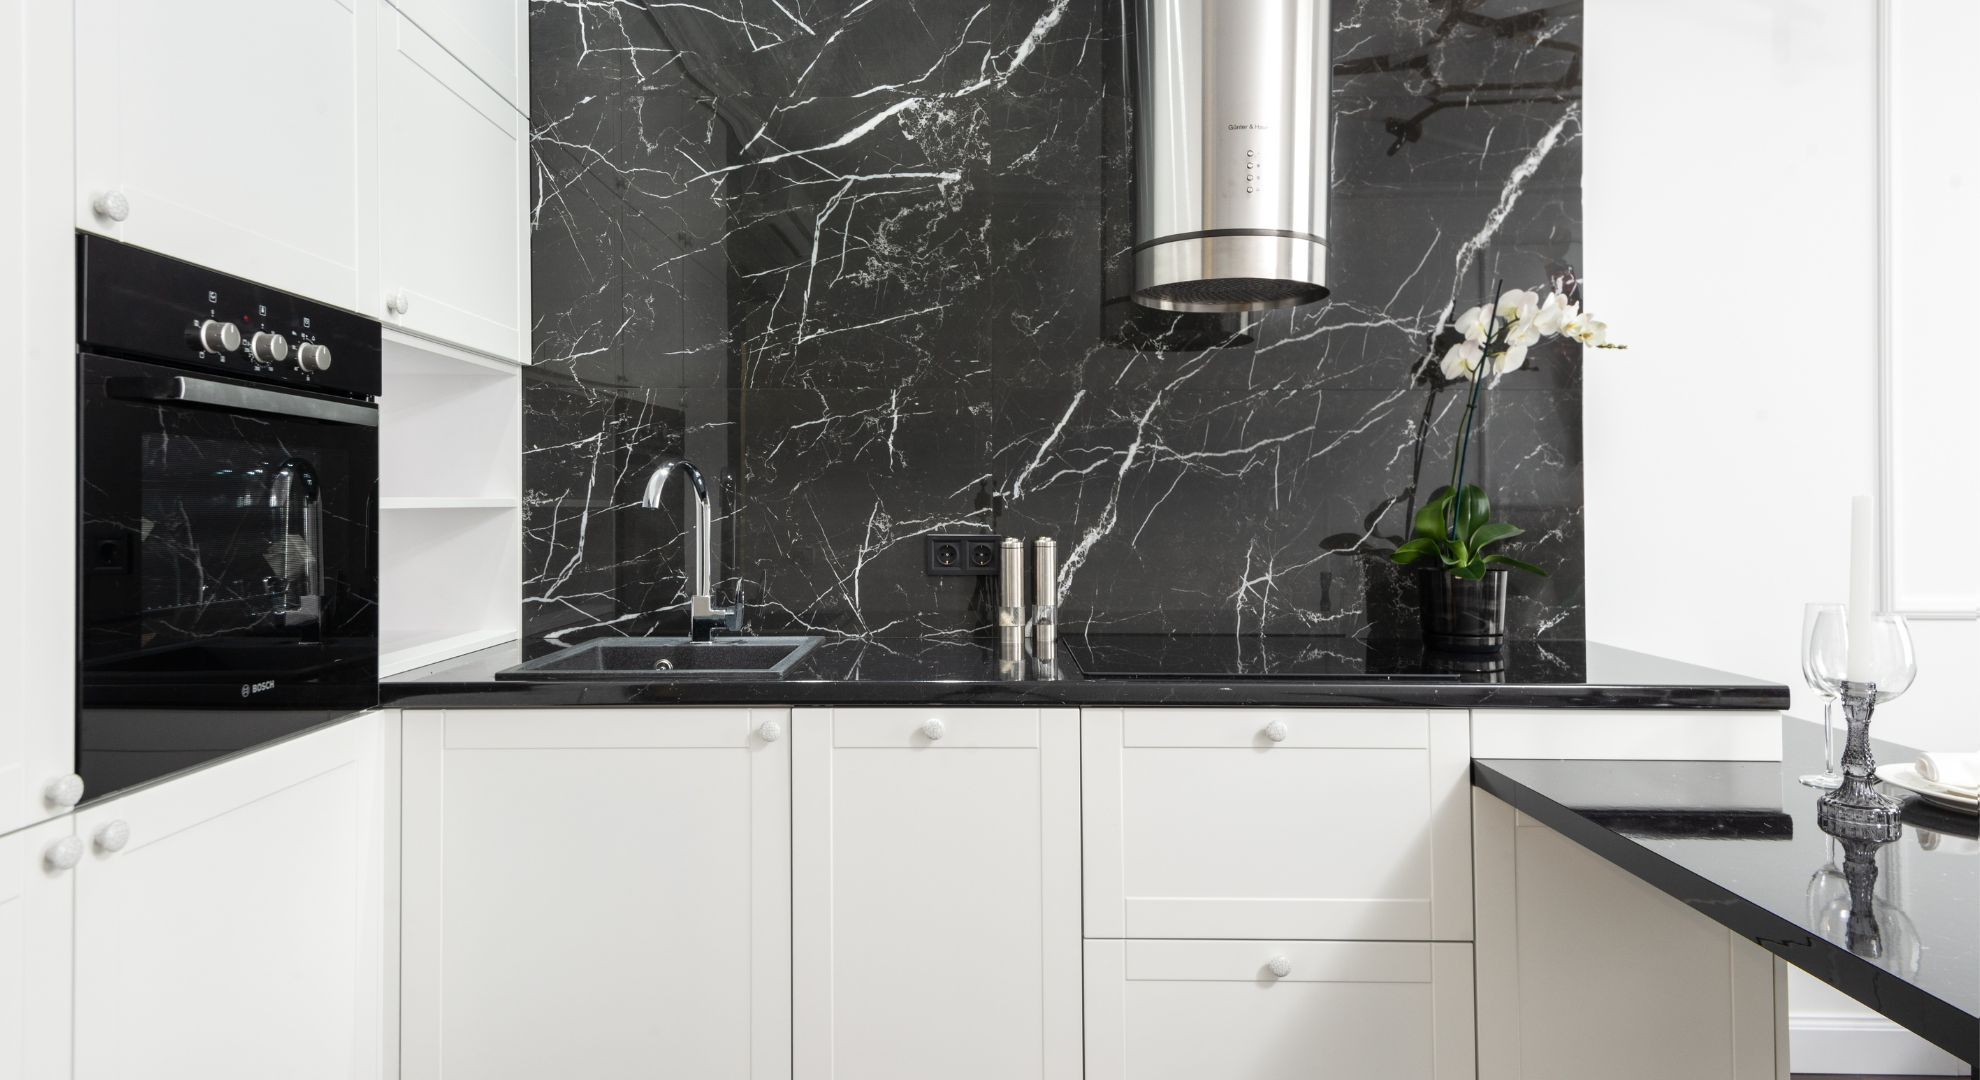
x,y
664,658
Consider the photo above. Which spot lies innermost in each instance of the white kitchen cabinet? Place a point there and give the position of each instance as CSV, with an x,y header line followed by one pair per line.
x,y
936,893
230,922
1584,970
37,330
236,134
596,892
1278,1010
1277,823
36,904
492,39
452,247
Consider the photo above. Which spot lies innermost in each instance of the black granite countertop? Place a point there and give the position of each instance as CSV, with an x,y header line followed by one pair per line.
x,y
1738,842
921,671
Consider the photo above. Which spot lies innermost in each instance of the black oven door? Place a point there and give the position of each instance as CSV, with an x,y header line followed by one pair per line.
x,y
228,567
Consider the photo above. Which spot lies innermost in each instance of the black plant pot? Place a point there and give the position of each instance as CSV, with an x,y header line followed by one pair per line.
x,y
1460,615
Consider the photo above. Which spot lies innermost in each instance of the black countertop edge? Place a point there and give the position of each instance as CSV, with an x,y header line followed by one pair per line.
x,y
1942,1023
512,695
961,673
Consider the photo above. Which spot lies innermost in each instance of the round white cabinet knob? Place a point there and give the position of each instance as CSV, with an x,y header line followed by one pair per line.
x,y
934,729
312,357
1280,967
398,303
770,731
1276,731
63,854
218,337
112,837
64,790
269,348
111,206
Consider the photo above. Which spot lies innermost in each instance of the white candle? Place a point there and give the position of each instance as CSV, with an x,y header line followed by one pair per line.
x,y
1862,586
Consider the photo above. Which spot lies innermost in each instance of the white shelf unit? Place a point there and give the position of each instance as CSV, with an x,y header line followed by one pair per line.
x,y
450,483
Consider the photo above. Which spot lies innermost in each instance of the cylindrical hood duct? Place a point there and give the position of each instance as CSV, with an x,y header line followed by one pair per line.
x,y
1231,137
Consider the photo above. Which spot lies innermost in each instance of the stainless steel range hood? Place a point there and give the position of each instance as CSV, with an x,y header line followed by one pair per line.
x,y
1231,142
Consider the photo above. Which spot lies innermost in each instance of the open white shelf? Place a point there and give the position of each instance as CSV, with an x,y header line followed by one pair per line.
x,y
401,654
450,481
449,502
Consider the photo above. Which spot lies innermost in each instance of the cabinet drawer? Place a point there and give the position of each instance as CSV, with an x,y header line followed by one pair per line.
x,y
1314,824
972,729
1267,1010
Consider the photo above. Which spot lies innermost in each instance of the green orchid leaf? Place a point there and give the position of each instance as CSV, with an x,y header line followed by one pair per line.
x,y
1516,564
1492,532
1414,550
1429,523
1461,552
1474,509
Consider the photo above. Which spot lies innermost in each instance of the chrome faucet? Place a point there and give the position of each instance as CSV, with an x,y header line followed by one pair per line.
x,y
704,617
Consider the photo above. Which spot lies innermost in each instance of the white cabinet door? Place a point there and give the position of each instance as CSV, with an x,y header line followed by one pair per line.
x,y
1277,823
36,898
228,923
1286,1010
490,36
601,893
231,133
452,250
936,885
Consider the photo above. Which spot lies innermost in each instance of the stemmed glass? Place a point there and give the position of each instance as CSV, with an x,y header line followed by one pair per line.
x,y
1824,655
1879,670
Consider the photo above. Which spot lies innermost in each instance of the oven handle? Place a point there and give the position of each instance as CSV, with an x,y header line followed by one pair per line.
x,y
222,395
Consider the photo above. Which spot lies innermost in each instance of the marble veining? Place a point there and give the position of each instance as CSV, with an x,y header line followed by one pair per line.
x,y
866,260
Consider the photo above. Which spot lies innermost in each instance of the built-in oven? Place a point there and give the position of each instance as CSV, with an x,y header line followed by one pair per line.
x,y
228,563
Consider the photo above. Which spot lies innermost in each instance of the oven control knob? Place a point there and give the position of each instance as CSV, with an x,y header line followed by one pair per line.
x,y
313,357
269,348
215,336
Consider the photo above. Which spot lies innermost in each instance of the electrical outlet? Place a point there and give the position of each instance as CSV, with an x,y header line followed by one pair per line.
x,y
962,554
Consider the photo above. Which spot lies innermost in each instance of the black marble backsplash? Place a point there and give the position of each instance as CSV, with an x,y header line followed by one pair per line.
x,y
865,260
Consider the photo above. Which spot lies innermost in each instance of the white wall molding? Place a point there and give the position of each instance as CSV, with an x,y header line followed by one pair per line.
x,y
1864,1045
1927,188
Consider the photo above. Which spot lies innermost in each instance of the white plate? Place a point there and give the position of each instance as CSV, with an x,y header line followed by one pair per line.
x,y
1904,774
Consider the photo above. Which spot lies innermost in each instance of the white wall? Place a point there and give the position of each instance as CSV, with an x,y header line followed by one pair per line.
x,y
1731,190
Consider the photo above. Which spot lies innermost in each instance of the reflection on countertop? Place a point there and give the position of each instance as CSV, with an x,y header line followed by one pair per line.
x,y
1233,672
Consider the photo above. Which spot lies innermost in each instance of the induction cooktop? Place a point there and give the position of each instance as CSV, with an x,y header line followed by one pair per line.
x,y
1226,656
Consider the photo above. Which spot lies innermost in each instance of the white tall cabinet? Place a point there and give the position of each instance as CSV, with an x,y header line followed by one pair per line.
x,y
597,892
37,334
37,897
936,894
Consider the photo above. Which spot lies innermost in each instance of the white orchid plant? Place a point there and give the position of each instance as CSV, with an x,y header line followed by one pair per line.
x,y
1455,525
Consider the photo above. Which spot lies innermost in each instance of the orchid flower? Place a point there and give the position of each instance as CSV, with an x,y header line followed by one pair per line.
x,y
1473,323
1463,359
1518,305
1555,313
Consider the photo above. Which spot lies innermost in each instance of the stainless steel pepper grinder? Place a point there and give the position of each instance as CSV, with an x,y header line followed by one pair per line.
x,y
1010,593
1045,594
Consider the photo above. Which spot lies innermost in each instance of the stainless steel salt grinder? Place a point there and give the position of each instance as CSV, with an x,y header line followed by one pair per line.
x,y
1010,589
1045,594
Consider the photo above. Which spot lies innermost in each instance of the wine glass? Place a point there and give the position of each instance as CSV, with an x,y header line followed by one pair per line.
x,y
1824,654
1892,662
